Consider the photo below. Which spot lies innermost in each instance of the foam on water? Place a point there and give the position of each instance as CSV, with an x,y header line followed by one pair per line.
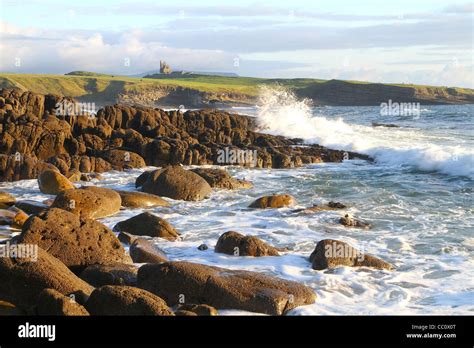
x,y
281,113
433,258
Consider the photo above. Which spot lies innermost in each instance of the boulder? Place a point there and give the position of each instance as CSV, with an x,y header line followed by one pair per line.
x,y
9,309
6,200
31,207
218,178
349,221
234,243
13,217
125,300
318,208
74,175
330,253
23,278
77,242
126,238
89,202
52,302
223,288
145,251
177,183
198,309
147,224
53,182
122,159
112,274
141,200
274,201
91,176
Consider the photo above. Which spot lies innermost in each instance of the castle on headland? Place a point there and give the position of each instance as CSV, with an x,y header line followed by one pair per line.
x,y
165,68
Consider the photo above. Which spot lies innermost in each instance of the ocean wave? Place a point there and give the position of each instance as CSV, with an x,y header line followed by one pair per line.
x,y
280,112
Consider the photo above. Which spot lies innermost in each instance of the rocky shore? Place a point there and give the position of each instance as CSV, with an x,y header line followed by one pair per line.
x,y
34,137
65,261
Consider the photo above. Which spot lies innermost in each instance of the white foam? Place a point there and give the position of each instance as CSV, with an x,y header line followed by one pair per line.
x,y
281,113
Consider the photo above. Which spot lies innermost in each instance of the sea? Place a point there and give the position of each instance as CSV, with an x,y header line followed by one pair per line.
x,y
417,194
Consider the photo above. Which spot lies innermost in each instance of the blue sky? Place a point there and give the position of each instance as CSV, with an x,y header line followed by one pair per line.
x,y
427,42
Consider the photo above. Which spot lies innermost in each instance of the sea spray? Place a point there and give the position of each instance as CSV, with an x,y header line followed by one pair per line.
x,y
280,112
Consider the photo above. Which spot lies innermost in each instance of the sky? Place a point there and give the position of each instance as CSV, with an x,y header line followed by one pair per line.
x,y
403,41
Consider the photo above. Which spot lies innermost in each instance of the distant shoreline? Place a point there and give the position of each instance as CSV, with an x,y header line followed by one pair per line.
x,y
201,91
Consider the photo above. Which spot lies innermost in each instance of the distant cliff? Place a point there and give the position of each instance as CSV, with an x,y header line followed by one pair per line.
x,y
198,91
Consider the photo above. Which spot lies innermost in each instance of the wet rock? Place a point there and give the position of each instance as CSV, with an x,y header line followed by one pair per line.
x,y
52,302
183,313
31,207
91,176
9,309
330,253
74,175
223,288
125,300
141,200
112,274
218,178
142,178
318,208
6,200
274,201
122,159
38,273
203,247
53,182
77,242
176,183
126,238
89,202
349,221
147,224
145,251
13,217
198,309
234,243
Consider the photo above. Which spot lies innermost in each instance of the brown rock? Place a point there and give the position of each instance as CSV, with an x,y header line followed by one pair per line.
x,y
31,207
218,178
6,200
113,274
348,221
122,159
77,242
9,309
147,224
223,288
39,273
53,182
126,238
141,200
330,253
274,201
144,251
125,300
52,302
74,175
234,243
176,183
198,309
89,202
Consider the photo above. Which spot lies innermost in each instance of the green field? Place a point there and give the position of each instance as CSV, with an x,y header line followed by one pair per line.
x,y
106,87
